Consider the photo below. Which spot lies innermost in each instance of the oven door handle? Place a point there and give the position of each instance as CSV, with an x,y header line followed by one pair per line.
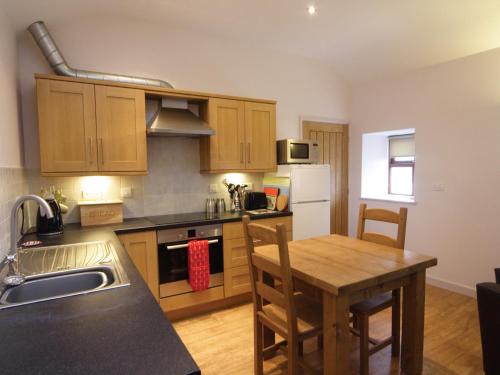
x,y
186,245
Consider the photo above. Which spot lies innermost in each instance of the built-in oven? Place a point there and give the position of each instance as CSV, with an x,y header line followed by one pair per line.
x,y
173,257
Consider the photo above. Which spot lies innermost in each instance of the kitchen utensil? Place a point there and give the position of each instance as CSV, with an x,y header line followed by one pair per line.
x,y
255,200
210,206
50,226
221,205
272,194
281,202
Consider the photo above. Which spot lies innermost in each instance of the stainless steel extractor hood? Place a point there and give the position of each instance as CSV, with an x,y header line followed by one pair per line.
x,y
174,118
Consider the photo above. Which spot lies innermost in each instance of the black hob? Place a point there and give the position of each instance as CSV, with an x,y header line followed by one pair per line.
x,y
202,218
194,218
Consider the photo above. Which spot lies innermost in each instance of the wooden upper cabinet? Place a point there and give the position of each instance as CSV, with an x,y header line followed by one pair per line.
x,y
245,137
260,135
67,126
227,118
90,129
121,129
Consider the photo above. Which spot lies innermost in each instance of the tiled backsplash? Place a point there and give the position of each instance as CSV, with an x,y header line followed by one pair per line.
x,y
13,183
174,183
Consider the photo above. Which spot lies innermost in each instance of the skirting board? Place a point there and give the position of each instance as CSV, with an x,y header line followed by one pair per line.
x,y
453,287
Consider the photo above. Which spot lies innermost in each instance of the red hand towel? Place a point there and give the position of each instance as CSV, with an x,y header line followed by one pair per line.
x,y
198,265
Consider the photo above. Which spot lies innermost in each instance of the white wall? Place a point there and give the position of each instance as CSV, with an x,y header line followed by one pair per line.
x,y
10,137
189,61
455,110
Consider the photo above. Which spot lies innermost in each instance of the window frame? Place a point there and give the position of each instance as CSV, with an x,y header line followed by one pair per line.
x,y
394,163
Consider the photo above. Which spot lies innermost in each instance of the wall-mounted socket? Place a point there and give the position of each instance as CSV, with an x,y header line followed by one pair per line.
x,y
249,185
437,186
213,188
126,192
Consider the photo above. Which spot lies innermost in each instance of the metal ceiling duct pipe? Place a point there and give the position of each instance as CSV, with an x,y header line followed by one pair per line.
x,y
57,62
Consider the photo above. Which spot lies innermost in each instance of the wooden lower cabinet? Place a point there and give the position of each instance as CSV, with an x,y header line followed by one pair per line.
x,y
236,273
143,250
236,281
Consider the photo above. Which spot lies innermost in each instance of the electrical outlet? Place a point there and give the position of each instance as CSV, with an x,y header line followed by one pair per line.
x,y
249,185
213,188
437,186
126,192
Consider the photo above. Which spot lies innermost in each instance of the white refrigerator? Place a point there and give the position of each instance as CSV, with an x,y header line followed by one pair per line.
x,y
309,198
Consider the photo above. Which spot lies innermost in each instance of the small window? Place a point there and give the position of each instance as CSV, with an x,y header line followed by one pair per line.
x,y
402,164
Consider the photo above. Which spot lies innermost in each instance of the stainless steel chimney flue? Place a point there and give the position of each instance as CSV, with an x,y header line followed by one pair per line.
x,y
57,62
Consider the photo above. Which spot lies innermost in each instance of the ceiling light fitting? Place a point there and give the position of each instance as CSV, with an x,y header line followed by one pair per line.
x,y
311,9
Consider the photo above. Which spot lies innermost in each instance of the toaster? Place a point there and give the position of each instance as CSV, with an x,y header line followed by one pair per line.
x,y
255,200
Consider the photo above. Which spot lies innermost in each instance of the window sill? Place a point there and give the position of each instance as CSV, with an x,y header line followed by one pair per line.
x,y
392,198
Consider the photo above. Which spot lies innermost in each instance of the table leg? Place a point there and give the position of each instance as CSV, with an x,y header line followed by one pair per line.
x,y
337,338
412,345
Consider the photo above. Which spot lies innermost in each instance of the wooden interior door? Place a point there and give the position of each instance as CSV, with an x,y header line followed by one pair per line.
x,y
67,126
260,136
227,118
333,142
121,129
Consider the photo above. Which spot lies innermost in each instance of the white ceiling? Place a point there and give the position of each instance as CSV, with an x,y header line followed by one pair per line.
x,y
362,39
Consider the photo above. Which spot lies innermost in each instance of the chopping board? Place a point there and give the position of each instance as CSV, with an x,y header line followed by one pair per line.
x,y
281,202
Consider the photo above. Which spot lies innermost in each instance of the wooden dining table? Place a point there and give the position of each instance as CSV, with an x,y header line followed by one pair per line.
x,y
341,271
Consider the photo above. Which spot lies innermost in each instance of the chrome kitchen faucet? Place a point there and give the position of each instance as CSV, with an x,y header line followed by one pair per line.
x,y
14,277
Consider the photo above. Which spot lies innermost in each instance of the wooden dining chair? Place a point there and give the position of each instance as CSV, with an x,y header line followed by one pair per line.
x,y
363,310
290,314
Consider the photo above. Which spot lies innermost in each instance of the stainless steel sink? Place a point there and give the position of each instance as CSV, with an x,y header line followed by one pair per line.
x,y
64,271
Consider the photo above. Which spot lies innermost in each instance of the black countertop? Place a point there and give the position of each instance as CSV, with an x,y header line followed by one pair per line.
x,y
118,331
181,220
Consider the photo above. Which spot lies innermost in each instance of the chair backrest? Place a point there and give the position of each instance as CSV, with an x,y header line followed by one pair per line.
x,y
261,291
379,214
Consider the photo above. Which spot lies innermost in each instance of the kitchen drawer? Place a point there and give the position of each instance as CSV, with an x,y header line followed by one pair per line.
x,y
190,299
235,230
235,253
236,281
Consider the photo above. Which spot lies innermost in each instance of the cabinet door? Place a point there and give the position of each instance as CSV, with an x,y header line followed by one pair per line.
x,y
67,127
142,249
260,135
226,117
121,129
236,281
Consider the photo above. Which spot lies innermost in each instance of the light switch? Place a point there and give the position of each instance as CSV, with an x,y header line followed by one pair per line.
x,y
213,188
126,192
437,186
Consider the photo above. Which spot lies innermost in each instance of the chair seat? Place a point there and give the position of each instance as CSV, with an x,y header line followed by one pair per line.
x,y
373,305
309,314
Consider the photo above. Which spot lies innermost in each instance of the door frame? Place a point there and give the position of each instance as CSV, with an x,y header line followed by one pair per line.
x,y
307,125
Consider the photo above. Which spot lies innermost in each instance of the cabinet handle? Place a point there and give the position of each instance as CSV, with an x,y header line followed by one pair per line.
x,y
102,151
91,146
241,152
248,153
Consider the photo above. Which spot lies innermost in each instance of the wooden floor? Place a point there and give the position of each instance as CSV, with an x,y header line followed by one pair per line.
x,y
222,342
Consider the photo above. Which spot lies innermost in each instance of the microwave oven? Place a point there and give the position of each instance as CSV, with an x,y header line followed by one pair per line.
x,y
297,151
